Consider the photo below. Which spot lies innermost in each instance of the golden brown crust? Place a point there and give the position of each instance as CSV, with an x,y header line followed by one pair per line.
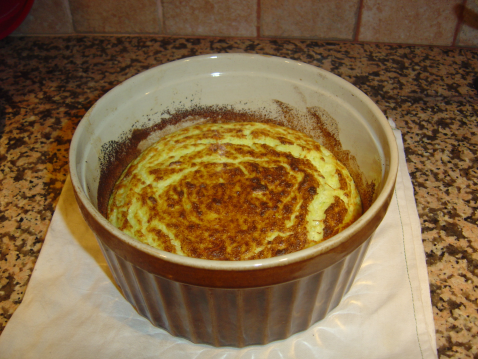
x,y
252,200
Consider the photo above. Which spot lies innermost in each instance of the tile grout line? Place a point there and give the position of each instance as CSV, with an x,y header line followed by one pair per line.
x,y
258,19
70,14
159,10
459,22
208,37
358,23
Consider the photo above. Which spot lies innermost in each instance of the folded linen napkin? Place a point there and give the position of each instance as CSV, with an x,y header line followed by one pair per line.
x,y
73,309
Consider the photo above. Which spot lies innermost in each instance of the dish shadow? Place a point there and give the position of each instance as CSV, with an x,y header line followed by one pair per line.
x,y
80,231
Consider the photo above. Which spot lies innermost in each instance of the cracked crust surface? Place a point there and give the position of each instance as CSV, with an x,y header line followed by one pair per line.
x,y
234,191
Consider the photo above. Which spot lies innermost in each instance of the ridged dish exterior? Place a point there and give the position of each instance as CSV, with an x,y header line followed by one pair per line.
x,y
235,317
215,302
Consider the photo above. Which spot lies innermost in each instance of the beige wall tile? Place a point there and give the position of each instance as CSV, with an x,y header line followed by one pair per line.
x,y
429,22
468,35
322,19
210,17
47,17
115,16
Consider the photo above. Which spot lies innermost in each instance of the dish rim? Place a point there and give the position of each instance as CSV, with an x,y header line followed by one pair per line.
x,y
382,199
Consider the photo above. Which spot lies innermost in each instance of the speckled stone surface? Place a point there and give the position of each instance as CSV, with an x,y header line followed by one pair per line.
x,y
48,83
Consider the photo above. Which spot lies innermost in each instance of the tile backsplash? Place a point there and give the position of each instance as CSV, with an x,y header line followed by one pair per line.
x,y
425,22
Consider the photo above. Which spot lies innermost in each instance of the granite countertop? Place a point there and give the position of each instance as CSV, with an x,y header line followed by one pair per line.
x,y
48,83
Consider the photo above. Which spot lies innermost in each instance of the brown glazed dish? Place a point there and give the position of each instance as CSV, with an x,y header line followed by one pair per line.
x,y
234,303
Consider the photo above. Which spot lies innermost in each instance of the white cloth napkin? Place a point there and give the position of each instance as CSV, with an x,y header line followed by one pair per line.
x,y
72,308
